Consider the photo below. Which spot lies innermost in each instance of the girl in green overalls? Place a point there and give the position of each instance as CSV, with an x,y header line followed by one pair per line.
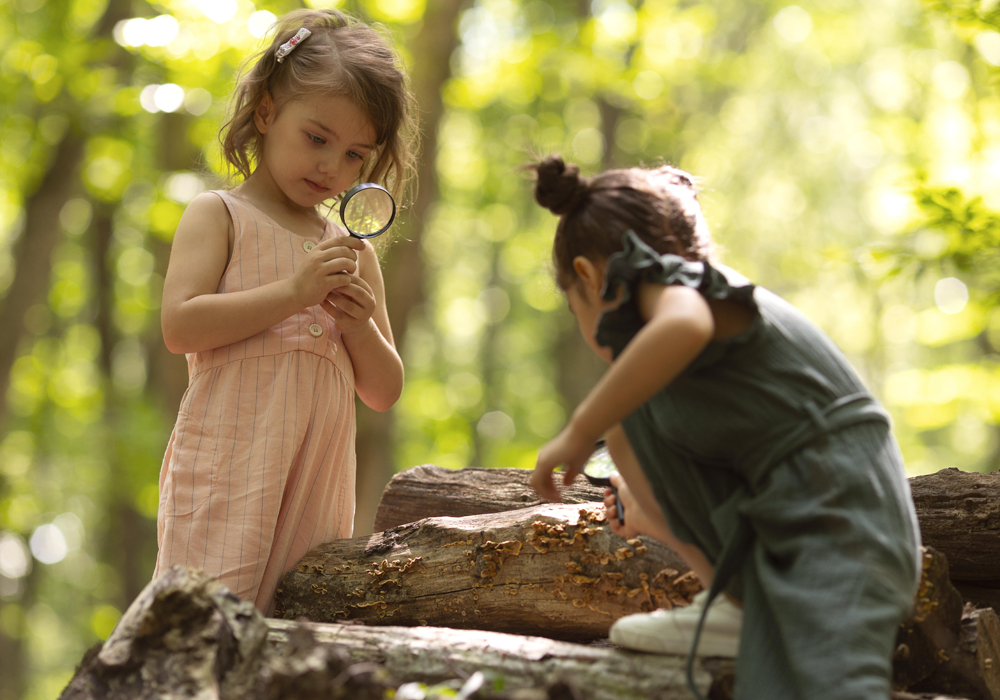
x,y
745,439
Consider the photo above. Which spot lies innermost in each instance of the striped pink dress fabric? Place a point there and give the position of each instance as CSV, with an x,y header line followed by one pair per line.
x,y
260,467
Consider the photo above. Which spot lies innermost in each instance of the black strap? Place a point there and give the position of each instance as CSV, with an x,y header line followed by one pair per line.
x,y
730,561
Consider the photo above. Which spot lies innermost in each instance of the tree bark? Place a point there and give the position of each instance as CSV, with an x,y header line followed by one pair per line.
x,y
33,255
403,267
187,636
428,491
429,654
959,512
945,646
959,515
553,570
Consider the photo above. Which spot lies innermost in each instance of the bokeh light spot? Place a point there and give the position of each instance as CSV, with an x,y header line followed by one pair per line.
x,y
48,544
15,560
951,295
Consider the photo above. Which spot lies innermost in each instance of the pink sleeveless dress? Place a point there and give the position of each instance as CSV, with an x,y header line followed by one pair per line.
x,y
260,466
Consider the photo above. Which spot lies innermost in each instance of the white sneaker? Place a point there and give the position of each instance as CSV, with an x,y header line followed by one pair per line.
x,y
671,631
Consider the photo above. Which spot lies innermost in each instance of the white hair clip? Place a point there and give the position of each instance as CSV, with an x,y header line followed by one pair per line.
x,y
290,45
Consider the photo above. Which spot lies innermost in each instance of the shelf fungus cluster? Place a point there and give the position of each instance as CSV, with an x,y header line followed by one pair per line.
x,y
551,570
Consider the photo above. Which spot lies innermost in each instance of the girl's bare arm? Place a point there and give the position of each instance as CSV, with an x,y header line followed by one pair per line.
x,y
679,324
195,318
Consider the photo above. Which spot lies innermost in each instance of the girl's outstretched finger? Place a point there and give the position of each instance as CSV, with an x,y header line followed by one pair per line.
x,y
541,478
541,481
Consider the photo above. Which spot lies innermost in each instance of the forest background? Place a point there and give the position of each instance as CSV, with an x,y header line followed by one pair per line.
x,y
849,156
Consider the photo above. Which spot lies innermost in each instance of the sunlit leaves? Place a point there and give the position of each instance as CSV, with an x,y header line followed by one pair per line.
x,y
396,11
108,167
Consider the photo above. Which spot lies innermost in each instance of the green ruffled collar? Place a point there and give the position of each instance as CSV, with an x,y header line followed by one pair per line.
x,y
638,263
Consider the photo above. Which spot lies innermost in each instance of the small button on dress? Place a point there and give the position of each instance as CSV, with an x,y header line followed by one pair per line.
x,y
307,246
316,330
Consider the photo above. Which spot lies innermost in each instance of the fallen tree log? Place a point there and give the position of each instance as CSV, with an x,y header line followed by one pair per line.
x,y
429,654
186,636
184,632
959,515
945,645
553,570
428,491
959,512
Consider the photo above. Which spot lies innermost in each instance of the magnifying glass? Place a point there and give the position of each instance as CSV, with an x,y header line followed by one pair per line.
x,y
598,471
367,210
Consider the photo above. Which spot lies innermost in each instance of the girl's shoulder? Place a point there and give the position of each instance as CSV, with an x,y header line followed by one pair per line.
x,y
207,209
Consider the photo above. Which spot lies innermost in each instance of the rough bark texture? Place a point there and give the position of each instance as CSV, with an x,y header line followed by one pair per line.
x,y
186,636
959,512
945,646
553,570
428,491
429,654
959,515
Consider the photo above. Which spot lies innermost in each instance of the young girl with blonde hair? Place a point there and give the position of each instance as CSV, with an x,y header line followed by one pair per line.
x,y
746,442
280,312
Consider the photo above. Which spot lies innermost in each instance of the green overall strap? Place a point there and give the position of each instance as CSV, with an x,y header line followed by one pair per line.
x,y
842,413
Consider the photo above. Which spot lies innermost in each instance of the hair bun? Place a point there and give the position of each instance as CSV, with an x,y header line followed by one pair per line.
x,y
560,189
676,176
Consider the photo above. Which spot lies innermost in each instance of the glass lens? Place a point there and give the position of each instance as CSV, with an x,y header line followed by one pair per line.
x,y
368,212
600,465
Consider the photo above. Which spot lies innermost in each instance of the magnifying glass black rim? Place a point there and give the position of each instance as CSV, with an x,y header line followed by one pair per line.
x,y
350,195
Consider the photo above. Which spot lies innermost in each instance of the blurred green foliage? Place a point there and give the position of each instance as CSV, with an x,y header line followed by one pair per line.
x,y
849,154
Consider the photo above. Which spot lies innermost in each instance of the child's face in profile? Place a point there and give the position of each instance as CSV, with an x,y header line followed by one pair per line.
x,y
315,146
587,305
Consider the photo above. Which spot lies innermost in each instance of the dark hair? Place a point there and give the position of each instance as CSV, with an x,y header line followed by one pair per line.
x,y
341,57
659,204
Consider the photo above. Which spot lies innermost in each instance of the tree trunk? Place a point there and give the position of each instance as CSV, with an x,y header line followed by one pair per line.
x,y
186,636
553,570
945,646
428,491
33,254
430,654
959,515
959,512
403,267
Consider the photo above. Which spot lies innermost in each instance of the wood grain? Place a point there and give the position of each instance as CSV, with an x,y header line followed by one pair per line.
x,y
552,570
428,491
959,514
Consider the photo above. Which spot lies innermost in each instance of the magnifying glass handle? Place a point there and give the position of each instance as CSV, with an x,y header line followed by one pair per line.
x,y
618,506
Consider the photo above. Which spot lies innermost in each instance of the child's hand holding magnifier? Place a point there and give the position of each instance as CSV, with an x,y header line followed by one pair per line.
x,y
367,211
594,460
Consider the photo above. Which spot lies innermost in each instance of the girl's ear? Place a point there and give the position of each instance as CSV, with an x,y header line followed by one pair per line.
x,y
590,274
264,114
